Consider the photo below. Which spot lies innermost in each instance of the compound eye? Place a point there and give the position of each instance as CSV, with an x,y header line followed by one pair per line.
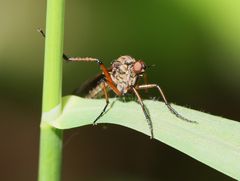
x,y
137,67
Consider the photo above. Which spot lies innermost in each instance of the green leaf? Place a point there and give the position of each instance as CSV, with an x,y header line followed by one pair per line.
x,y
214,141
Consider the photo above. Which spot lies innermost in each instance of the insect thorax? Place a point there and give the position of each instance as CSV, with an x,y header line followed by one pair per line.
x,y
122,73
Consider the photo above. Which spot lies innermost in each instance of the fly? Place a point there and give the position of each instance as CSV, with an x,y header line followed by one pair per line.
x,y
122,77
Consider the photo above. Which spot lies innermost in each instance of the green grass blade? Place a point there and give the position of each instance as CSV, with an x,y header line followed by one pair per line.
x,y
50,151
215,141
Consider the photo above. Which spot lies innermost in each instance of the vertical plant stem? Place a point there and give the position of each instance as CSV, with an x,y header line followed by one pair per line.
x,y
50,157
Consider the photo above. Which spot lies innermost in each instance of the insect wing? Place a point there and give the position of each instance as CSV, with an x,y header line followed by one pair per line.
x,y
88,85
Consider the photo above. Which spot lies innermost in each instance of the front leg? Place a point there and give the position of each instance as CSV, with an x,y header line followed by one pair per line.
x,y
144,111
103,86
148,86
102,67
44,36
90,59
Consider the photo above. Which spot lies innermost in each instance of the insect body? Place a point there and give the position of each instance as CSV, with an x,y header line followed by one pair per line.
x,y
125,72
122,77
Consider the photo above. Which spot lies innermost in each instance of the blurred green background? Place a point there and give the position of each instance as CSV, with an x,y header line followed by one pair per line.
x,y
194,44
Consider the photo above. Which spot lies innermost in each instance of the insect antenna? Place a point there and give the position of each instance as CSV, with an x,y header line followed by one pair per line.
x,y
150,66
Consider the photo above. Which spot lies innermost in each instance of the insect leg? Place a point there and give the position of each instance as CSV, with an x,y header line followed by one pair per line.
x,y
90,59
43,35
148,86
102,67
107,102
145,79
72,59
144,111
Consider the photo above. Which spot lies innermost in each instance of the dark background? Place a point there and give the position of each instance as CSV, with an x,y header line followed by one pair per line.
x,y
194,44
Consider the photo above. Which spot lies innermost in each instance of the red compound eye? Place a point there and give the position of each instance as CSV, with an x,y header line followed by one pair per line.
x,y
138,67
